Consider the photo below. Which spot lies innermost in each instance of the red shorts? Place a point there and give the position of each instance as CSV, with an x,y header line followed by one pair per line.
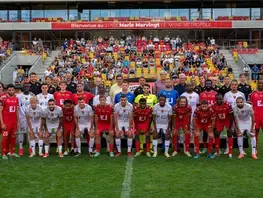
x,y
204,127
142,128
103,128
220,125
69,128
258,122
11,128
185,125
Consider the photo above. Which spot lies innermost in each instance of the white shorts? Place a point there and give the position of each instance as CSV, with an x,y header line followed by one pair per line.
x,y
123,126
82,128
163,128
35,129
23,128
244,126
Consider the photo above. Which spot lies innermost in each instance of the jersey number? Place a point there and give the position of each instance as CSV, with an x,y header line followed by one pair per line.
x,y
104,117
259,103
12,109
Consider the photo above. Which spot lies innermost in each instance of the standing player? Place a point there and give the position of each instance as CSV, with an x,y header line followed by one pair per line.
x,y
103,123
125,92
182,120
223,120
142,119
83,116
87,96
68,126
123,123
62,95
34,114
162,116
210,96
204,120
171,94
256,99
9,122
24,101
52,123
101,92
44,97
245,123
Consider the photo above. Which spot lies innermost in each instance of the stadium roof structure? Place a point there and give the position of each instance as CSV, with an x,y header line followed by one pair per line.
x,y
133,4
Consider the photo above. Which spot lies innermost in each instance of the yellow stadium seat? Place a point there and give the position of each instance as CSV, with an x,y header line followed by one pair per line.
x,y
104,77
108,83
132,65
125,76
91,55
132,76
245,44
138,72
127,58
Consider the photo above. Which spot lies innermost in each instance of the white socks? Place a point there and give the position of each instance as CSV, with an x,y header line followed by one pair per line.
x,y
78,143
118,144
21,140
253,145
155,144
240,144
46,148
129,143
33,146
60,148
167,145
40,146
91,144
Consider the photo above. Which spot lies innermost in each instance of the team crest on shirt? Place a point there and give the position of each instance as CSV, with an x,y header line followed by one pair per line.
x,y
124,110
45,97
234,97
26,98
34,113
52,114
162,110
190,97
242,111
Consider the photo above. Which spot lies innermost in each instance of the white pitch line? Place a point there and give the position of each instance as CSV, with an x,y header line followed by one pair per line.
x,y
126,185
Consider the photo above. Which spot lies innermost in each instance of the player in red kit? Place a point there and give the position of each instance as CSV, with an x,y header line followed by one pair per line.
x,y
223,119
68,125
142,120
9,122
182,120
256,100
204,120
62,95
87,96
210,96
103,123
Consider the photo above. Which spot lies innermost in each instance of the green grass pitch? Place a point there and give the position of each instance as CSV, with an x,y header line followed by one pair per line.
x,y
179,176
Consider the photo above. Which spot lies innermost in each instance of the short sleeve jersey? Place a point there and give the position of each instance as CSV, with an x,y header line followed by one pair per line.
x,y
10,105
52,117
104,114
123,112
182,113
243,114
83,115
222,112
162,114
43,99
60,97
204,117
35,115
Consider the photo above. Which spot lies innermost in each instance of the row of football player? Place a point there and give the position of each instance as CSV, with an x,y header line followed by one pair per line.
x,y
205,118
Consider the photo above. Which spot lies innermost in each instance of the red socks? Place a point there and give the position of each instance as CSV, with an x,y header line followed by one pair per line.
x,y
187,141
217,142
137,145
98,148
197,144
210,145
111,147
4,142
230,145
147,147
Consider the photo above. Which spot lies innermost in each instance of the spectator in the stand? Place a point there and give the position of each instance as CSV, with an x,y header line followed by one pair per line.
x,y
124,92
243,86
47,72
180,88
54,86
14,75
20,74
226,87
116,88
255,70
212,41
160,84
139,89
34,86
96,88
71,86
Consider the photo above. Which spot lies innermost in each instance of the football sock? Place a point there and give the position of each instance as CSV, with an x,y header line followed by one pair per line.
x,y
108,142
4,142
137,145
253,145
167,145
98,148
40,146
257,133
240,144
217,142
13,144
174,142
210,145
148,147
111,147
21,140
230,145
187,141
142,140
118,144
129,143
60,148
197,144
91,144
32,146
78,142
151,141
46,148
155,144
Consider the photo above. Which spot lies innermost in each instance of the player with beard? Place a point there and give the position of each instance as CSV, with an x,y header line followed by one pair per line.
x,y
204,120
210,96
256,100
162,121
87,96
9,118
171,94
245,123
223,120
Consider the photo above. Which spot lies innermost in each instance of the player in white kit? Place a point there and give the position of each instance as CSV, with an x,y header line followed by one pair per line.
x,y
24,101
34,114
52,123
162,118
123,123
44,97
84,123
101,91
245,123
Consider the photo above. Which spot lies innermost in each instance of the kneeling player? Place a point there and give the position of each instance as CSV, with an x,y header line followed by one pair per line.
x,y
68,125
83,115
123,123
34,114
103,123
204,120
245,123
142,119
223,119
182,120
162,116
52,122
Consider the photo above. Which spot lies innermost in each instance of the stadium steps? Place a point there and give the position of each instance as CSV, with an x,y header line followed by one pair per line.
x,y
231,61
47,63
